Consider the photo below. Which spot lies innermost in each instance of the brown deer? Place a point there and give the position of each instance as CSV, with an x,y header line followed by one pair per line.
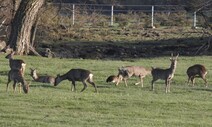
x,y
112,78
16,64
195,71
17,77
129,71
77,75
43,79
165,74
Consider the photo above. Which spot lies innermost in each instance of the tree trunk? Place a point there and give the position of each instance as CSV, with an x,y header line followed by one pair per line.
x,y
16,4
22,23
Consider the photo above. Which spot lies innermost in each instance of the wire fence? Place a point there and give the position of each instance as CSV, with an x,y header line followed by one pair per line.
x,y
123,15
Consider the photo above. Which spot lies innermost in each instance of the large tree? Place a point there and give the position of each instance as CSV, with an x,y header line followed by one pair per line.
x,y
21,28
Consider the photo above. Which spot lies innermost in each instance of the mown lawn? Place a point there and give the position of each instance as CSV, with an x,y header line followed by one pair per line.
x,y
49,106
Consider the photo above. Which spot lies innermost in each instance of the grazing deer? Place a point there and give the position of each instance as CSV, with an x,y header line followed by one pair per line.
x,y
43,79
165,74
77,75
112,78
195,71
129,71
17,77
16,64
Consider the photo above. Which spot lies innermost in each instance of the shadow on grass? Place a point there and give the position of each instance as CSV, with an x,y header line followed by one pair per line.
x,y
202,89
44,86
104,86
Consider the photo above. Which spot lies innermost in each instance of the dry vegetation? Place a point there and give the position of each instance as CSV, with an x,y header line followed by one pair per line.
x,y
129,37
56,24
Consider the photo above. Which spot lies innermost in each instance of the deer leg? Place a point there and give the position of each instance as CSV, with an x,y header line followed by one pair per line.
x,y
204,79
118,82
73,86
153,80
93,84
119,79
206,85
14,86
142,82
20,87
169,82
189,78
138,82
166,83
8,84
85,86
125,81
192,80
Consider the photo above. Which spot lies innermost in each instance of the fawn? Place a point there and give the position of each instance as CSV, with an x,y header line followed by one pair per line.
x,y
16,64
129,71
77,75
17,77
43,79
195,71
165,74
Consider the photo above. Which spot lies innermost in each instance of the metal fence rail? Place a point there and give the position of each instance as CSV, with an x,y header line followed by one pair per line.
x,y
73,11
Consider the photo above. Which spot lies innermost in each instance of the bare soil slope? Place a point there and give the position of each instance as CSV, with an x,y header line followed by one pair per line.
x,y
119,50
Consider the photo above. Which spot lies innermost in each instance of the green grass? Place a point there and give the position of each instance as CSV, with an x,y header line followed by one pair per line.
x,y
132,106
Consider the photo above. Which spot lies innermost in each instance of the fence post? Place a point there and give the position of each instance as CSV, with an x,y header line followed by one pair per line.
x,y
152,24
195,20
73,14
111,21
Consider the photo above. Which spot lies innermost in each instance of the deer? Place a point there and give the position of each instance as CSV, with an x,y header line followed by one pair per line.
x,y
17,77
43,79
196,71
74,75
129,71
165,74
112,78
16,64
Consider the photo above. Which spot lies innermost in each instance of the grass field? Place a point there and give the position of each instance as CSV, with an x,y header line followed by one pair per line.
x,y
132,106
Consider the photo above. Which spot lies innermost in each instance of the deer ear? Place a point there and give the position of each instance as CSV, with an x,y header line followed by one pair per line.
x,y
172,55
171,58
119,68
177,56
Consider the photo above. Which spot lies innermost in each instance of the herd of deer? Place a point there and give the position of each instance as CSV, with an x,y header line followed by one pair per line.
x,y
17,69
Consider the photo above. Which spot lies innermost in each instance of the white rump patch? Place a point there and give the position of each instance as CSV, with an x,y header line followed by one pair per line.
x,y
91,76
23,64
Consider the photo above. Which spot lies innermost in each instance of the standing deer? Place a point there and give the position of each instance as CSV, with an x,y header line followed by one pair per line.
x,y
17,77
16,64
77,75
165,74
195,71
129,71
43,79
